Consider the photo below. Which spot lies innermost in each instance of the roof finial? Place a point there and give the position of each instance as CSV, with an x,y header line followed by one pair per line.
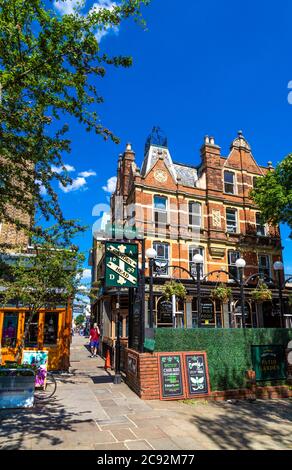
x,y
270,165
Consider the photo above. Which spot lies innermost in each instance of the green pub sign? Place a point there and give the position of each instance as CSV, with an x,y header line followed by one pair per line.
x,y
269,362
121,264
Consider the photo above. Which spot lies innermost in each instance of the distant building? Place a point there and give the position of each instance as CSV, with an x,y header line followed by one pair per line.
x,y
50,329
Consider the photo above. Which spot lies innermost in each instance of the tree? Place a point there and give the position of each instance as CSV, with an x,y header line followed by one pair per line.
x,y
273,194
48,69
44,279
80,319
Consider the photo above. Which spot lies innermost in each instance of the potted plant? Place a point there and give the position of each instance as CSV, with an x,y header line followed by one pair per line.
x,y
17,384
261,293
174,288
221,293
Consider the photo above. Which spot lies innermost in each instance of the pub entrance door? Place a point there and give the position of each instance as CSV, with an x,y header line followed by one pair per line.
x,y
271,315
164,313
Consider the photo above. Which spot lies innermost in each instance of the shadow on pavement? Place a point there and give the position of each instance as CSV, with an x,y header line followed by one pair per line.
x,y
243,425
45,422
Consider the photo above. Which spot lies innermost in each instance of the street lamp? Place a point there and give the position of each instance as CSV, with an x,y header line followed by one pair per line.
x,y
198,260
240,264
278,267
151,254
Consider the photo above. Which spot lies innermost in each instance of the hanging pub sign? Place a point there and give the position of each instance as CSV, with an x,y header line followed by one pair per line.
x,y
121,264
171,376
196,374
269,362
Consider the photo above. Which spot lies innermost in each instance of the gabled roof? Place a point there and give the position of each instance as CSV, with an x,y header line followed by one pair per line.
x,y
185,174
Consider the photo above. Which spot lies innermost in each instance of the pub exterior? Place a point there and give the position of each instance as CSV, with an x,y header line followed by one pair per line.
x,y
182,210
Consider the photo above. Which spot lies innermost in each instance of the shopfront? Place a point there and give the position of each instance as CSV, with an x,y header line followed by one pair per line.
x,y
49,330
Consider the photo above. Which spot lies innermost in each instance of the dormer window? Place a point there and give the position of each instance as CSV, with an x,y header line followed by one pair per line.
x,y
229,182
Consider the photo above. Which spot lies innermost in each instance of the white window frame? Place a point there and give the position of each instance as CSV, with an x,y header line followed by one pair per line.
x,y
199,214
166,274
229,252
269,261
264,226
234,181
192,266
161,211
236,219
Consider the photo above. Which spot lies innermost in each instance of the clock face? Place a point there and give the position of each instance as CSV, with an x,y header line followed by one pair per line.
x,y
160,176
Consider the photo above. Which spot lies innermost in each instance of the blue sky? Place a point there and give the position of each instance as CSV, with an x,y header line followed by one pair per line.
x,y
201,68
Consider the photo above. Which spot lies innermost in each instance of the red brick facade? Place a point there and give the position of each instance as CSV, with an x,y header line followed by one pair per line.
x,y
229,223
145,382
180,209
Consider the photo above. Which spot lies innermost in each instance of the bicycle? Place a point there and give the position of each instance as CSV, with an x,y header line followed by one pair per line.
x,y
46,387
45,382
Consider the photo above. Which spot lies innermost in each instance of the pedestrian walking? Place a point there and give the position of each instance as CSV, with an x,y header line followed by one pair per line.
x,y
94,339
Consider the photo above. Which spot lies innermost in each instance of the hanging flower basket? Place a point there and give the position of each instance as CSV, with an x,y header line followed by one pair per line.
x,y
174,288
261,293
221,293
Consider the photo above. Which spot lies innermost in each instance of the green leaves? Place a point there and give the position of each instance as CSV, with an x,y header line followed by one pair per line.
x,y
49,69
221,293
273,193
174,288
48,276
261,293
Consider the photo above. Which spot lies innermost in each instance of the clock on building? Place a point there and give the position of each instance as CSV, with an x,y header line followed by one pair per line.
x,y
160,176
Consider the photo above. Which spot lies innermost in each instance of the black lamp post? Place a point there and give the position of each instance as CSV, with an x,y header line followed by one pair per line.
x,y
278,267
240,264
117,377
151,254
198,260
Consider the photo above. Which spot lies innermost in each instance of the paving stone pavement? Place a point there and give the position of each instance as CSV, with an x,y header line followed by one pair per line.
x,y
90,412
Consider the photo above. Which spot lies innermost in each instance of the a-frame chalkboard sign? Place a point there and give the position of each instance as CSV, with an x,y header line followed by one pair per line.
x,y
171,376
196,374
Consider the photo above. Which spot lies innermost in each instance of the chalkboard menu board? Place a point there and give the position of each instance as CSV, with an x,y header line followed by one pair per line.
x,y
196,374
207,311
171,376
165,312
136,322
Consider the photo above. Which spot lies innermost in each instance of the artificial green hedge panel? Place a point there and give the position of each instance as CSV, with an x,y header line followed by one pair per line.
x,y
228,350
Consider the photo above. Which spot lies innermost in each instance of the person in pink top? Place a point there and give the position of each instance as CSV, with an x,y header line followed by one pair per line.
x,y
94,339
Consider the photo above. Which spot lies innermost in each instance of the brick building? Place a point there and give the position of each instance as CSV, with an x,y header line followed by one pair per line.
x,y
10,236
186,209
